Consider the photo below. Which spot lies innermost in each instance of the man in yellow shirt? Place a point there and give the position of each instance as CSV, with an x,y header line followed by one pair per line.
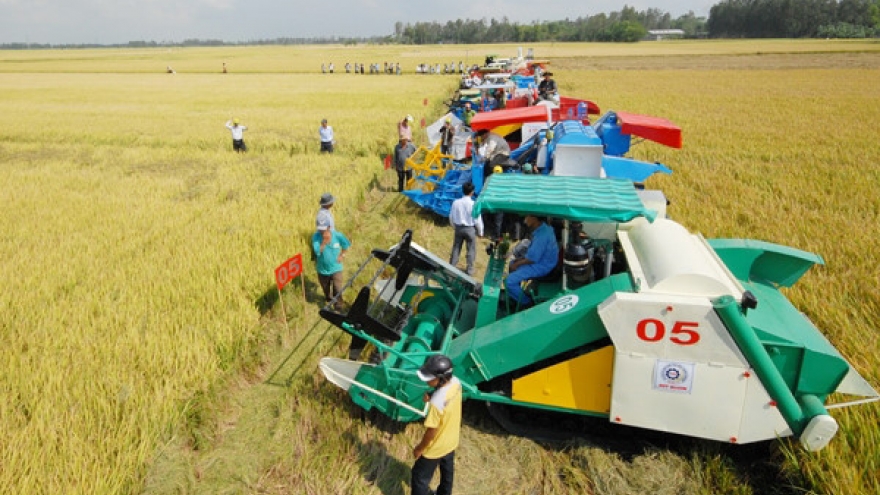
x,y
443,423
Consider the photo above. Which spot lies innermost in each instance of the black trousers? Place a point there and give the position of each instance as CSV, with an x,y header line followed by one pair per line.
x,y
423,471
402,177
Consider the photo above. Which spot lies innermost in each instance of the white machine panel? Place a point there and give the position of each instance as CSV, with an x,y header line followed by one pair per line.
x,y
711,408
761,419
677,369
578,160
669,327
529,129
665,258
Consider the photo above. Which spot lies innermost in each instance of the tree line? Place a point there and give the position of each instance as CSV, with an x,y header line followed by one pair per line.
x,y
794,19
626,25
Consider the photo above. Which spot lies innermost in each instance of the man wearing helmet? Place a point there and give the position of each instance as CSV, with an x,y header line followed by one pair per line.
x,y
437,448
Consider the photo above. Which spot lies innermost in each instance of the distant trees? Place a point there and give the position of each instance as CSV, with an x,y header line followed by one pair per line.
x,y
794,19
627,25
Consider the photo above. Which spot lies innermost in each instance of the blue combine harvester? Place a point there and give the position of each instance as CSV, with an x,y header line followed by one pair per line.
x,y
562,148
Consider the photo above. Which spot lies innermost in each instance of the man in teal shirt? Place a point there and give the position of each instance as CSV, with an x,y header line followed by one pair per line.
x,y
330,247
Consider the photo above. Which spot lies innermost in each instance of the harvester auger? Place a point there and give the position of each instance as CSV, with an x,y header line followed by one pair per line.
x,y
647,325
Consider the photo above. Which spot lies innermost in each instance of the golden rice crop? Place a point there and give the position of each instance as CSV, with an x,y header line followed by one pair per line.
x,y
140,313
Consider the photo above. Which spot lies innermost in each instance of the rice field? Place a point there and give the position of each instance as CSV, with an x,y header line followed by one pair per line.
x,y
137,364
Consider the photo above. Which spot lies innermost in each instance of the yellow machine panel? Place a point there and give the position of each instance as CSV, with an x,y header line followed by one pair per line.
x,y
582,383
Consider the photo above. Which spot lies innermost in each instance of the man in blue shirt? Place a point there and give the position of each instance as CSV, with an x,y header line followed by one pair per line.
x,y
540,260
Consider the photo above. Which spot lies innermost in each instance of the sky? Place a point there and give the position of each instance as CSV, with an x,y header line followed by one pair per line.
x,y
121,21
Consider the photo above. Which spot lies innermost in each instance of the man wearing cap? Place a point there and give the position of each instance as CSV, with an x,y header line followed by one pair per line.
x,y
467,228
540,259
326,133
443,426
237,135
402,151
325,216
404,129
447,133
547,89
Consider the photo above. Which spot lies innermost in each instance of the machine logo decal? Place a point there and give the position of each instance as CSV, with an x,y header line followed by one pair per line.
x,y
564,304
673,377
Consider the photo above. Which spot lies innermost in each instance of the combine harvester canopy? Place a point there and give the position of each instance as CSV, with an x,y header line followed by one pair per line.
x,y
646,325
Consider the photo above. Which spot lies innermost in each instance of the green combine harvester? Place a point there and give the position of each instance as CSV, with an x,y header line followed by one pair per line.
x,y
646,324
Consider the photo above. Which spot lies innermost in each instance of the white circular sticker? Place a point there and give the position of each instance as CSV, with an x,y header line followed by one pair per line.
x,y
563,304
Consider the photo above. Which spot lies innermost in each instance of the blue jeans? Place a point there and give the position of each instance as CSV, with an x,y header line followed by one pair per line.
x,y
423,471
515,279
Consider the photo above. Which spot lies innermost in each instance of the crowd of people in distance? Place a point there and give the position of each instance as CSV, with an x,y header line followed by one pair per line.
x,y
392,68
437,68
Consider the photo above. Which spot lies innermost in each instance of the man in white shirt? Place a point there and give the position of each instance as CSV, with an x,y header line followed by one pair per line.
x,y
326,133
237,135
467,228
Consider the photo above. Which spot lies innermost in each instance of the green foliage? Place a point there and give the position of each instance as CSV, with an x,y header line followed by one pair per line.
x,y
844,30
793,18
627,31
627,25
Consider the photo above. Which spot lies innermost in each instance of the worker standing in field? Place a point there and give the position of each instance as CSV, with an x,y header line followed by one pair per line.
x,y
404,129
467,228
447,134
326,133
402,151
237,135
330,247
442,428
325,216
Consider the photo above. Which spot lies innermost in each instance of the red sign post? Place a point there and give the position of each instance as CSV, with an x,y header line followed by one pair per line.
x,y
286,272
